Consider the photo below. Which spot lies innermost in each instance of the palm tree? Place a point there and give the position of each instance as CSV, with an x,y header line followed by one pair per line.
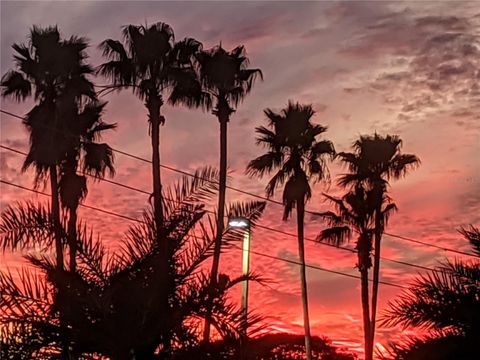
x,y
50,69
86,153
151,62
375,160
446,302
95,299
298,158
225,81
355,215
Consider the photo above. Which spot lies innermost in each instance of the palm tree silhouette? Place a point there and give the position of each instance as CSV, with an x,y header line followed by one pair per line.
x,y
53,71
375,160
225,82
86,153
355,215
445,302
298,158
151,62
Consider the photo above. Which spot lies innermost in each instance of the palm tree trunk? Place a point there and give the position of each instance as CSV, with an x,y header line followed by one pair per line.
x,y
220,216
376,275
65,353
56,216
154,103
303,277
72,239
365,312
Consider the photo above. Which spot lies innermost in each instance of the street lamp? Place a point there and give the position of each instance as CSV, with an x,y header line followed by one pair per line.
x,y
243,223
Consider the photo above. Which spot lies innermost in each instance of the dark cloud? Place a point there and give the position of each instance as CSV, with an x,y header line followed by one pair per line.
x,y
438,61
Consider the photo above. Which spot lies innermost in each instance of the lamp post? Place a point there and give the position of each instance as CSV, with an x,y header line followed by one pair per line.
x,y
243,223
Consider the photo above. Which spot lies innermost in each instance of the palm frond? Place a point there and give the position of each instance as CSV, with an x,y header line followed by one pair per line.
x,y
335,235
15,85
93,264
264,164
251,210
25,297
26,225
443,300
472,234
191,190
401,164
98,159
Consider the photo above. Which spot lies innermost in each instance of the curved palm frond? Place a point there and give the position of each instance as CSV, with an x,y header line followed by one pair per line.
x,y
26,225
444,300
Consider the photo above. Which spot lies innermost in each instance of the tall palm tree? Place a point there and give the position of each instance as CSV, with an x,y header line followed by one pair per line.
x,y
151,62
297,158
84,154
225,82
355,215
446,303
49,68
374,162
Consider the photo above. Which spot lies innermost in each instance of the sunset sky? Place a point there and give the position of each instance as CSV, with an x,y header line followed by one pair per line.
x,y
405,68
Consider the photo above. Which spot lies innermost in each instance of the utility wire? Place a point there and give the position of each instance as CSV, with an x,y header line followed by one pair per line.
x,y
315,267
258,226
209,211
404,238
253,252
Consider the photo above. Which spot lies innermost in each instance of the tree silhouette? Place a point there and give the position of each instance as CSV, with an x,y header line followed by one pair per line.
x,y
297,158
355,215
53,71
276,346
446,303
151,63
225,81
110,305
375,160
86,154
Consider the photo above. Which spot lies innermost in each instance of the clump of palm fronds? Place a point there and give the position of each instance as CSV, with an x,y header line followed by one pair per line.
x,y
446,303
110,305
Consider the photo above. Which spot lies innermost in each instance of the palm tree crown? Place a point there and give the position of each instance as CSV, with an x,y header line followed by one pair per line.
x,y
55,71
151,62
293,152
225,78
376,159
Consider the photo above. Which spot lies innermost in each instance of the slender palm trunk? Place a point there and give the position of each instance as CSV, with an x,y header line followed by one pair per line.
x,y
220,216
154,103
303,277
365,312
376,275
72,238
56,216
65,353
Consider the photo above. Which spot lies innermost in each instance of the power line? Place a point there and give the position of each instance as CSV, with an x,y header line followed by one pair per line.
x,y
270,200
258,226
315,267
266,198
82,205
253,252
